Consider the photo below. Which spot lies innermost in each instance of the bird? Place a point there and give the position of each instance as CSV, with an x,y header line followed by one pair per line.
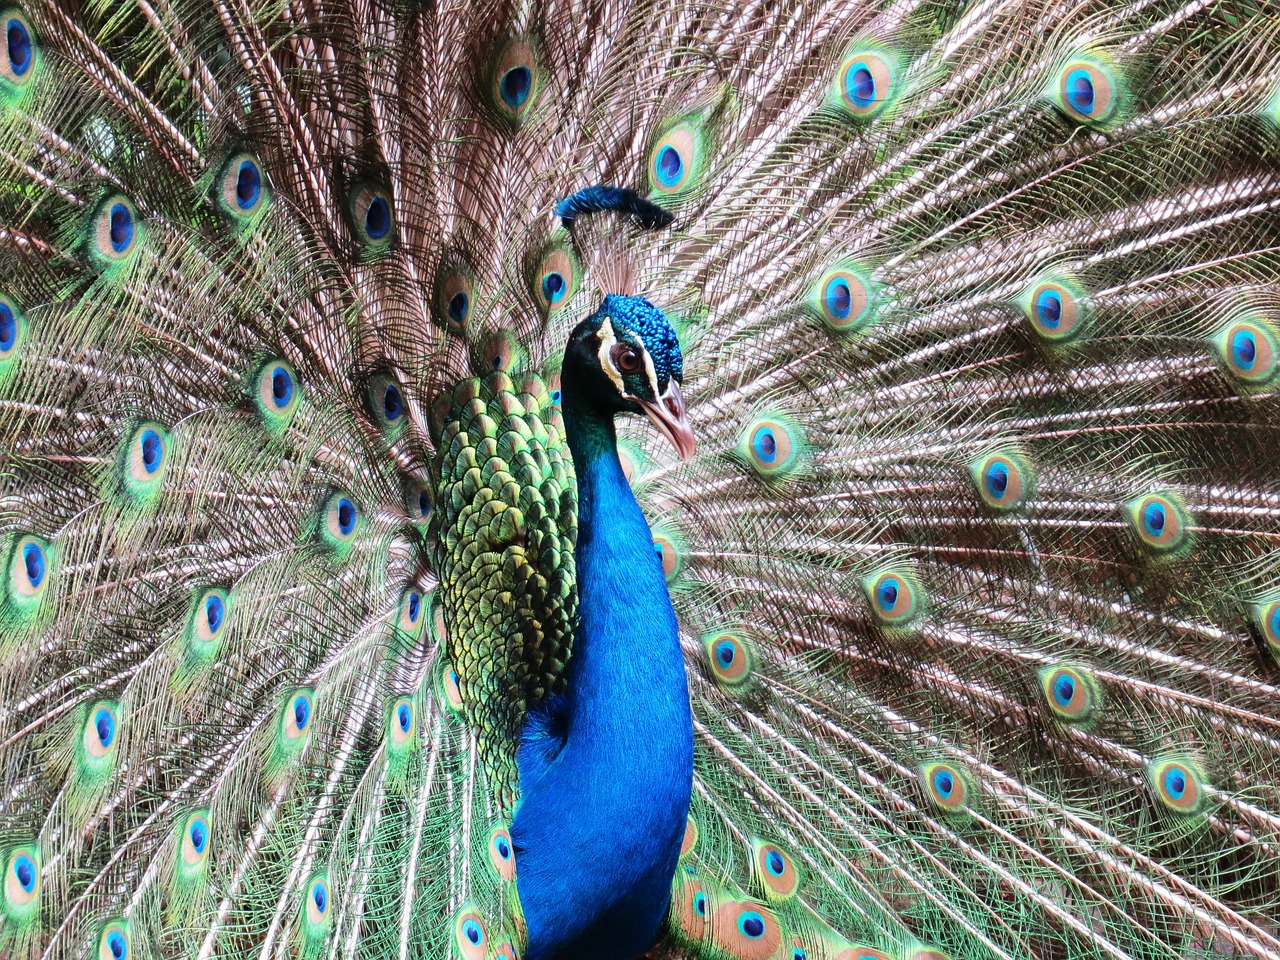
x,y
603,479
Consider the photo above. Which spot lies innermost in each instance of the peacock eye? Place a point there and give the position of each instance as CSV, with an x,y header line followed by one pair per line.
x,y
625,357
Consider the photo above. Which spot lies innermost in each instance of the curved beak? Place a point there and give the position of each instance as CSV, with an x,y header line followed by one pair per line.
x,y
671,419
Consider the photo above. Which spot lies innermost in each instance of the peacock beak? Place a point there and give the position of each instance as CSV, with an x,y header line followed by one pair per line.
x,y
671,419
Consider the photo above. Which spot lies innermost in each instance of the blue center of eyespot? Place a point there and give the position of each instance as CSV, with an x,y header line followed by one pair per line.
x,y
19,43
1175,782
1080,91
248,185
33,563
555,396
751,924
669,166
459,304
8,328
301,712
997,479
1049,309
199,836
839,298
281,387
117,945
214,611
503,848
726,650
392,402
700,903
104,726
152,450
799,954
377,219
515,86
1275,622
403,716
887,593
944,783
553,287
1064,689
320,896
765,445
1244,349
1153,518
424,502
415,607
860,85
25,870
775,863
471,930
346,516
121,228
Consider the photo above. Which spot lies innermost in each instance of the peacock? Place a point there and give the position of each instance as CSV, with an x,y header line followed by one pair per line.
x,y
603,479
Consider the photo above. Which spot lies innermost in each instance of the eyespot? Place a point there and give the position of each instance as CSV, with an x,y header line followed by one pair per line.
x,y
470,935
516,81
454,301
451,688
690,839
1054,308
115,231
418,502
242,190
894,597
317,907
502,853
11,328
114,942
341,522
1267,618
1178,784
412,608
1003,480
1071,693
278,395
747,931
373,216
1248,349
1088,90
146,459
555,280
945,786
386,402
843,298
499,352
22,881
1160,521
20,49
675,158
775,871
208,620
730,658
295,717
195,840
691,915
28,572
100,731
668,552
865,83
773,446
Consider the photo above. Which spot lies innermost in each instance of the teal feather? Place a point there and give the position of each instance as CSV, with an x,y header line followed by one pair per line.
x,y
975,566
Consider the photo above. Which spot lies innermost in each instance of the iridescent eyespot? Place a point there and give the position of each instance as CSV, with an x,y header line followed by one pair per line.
x,y
114,941
278,395
1055,309
469,934
400,722
773,446
691,915
295,716
100,731
316,907
675,158
387,403
775,871
115,230
20,49
555,279
28,572
499,352
1160,521
195,840
454,301
1071,693
1266,616
945,786
690,839
894,597
745,930
730,658
843,297
669,551
1178,784
341,522
864,83
22,882
418,502
146,461
411,612
372,216
501,853
1089,90
11,328
208,620
516,80
1003,480
451,687
242,190
1249,349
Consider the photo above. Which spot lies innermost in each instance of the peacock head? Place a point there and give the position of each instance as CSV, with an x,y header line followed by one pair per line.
x,y
625,358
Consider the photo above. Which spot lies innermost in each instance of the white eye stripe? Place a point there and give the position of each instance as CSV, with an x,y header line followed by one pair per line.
x,y
608,338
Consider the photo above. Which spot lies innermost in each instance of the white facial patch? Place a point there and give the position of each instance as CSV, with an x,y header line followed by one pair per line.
x,y
608,337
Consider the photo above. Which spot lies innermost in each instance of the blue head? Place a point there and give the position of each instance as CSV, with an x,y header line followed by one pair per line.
x,y
625,358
